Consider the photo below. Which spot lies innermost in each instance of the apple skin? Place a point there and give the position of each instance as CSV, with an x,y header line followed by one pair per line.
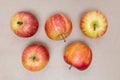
x,y
58,27
93,24
35,57
24,24
78,55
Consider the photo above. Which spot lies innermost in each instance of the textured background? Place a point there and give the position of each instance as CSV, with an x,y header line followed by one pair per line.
x,y
106,51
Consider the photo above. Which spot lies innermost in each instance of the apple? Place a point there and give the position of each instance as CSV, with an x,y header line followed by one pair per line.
x,y
35,57
93,24
78,55
58,27
24,24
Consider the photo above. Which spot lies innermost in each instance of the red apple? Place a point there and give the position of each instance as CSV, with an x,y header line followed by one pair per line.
x,y
35,57
24,24
93,24
78,55
58,27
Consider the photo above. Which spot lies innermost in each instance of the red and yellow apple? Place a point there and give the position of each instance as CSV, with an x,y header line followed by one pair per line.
x,y
78,55
35,57
24,24
93,24
58,27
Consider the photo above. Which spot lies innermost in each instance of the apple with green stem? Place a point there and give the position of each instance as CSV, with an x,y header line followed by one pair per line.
x,y
35,57
24,24
58,27
93,24
78,55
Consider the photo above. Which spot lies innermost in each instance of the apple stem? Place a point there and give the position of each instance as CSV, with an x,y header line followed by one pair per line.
x,y
95,27
63,37
34,58
19,22
70,67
